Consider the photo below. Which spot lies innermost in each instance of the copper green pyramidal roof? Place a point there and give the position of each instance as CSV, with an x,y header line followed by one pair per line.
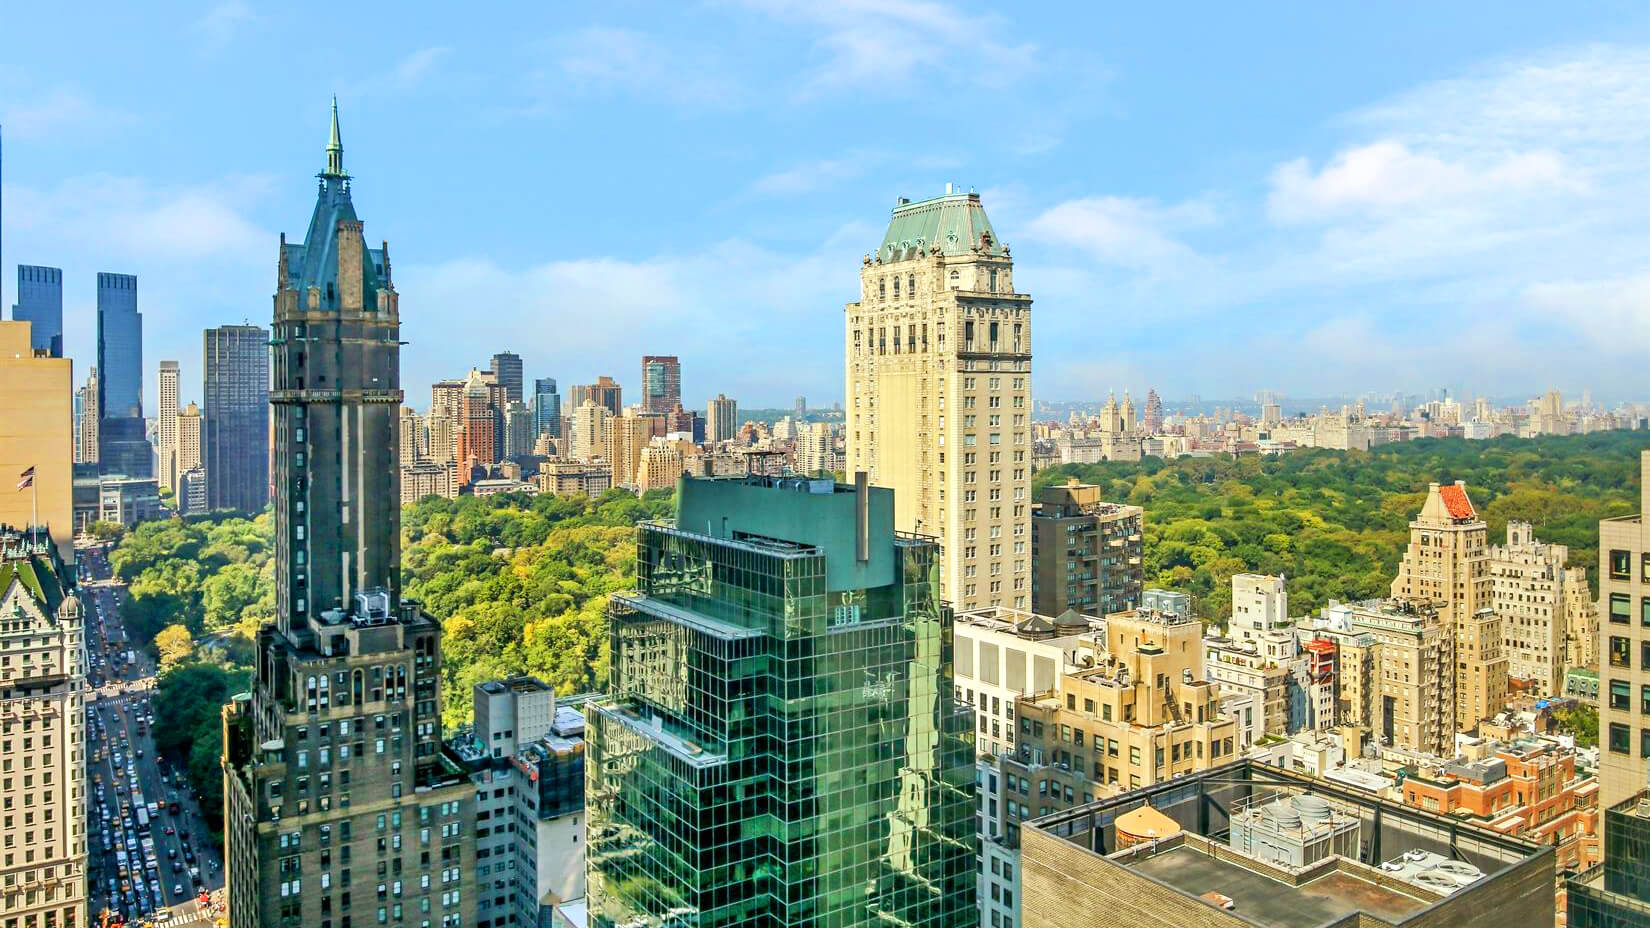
x,y
953,224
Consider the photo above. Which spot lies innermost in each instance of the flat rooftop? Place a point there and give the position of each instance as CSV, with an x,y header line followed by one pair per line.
x,y
1322,901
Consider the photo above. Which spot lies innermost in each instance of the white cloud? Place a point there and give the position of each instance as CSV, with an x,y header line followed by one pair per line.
x,y
125,219
901,46
58,111
222,22
1611,315
602,60
1386,177
1127,232
406,74
814,175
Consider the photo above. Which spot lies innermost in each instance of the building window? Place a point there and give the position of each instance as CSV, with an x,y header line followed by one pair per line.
x,y
1621,608
1621,694
1621,654
1644,611
1644,699
1621,565
1620,738
1644,742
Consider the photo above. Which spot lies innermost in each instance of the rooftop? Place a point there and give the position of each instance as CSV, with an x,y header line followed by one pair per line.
x,y
1323,900
953,224
1392,880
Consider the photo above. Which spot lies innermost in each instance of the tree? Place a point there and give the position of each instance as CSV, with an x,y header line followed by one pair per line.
x,y
174,645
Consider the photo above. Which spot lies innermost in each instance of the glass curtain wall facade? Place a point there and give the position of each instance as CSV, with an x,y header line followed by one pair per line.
x,y
780,745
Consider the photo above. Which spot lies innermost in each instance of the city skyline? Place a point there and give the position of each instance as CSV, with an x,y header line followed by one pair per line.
x,y
1476,186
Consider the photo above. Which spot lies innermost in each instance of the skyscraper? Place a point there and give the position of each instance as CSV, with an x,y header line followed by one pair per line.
x,y
40,302
36,438
506,367
1447,564
939,388
780,745
235,359
605,392
43,830
546,408
166,427
86,443
722,419
334,763
661,384
122,434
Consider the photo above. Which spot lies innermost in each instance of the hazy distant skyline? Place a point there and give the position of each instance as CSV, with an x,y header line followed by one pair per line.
x,y
1308,200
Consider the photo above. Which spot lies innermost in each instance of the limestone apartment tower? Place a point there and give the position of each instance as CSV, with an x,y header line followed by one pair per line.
x,y
339,803
938,365
1448,563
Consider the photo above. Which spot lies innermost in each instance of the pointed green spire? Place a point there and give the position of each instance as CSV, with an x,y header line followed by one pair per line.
x,y
335,146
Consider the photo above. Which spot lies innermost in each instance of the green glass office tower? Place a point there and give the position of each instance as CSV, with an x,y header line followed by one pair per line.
x,y
780,745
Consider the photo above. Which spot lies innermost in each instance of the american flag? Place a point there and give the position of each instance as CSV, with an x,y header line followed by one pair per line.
x,y
27,479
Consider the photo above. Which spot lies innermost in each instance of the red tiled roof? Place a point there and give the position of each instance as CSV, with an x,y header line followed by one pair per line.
x,y
1455,500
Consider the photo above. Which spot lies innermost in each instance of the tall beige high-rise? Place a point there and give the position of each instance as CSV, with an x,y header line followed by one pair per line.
x,y
1447,564
42,730
938,367
721,419
1538,597
85,451
166,427
189,438
36,431
1624,650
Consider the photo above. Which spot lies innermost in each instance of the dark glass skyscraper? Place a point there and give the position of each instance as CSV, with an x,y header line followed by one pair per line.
x,y
235,429
506,366
40,302
546,407
661,384
334,763
122,438
780,745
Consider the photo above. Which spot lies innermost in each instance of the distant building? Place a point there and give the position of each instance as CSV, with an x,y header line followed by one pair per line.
x,y
43,681
166,427
236,430
189,439
1447,565
659,468
519,433
1544,605
192,491
40,303
428,478
1260,606
36,438
604,393
1408,697
506,369
122,435
575,478
721,419
1086,552
661,384
546,407
87,448
128,500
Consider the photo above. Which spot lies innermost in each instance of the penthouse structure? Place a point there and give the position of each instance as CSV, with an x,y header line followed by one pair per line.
x,y
1244,844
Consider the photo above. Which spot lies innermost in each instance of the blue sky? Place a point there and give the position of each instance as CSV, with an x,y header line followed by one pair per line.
x,y
1210,199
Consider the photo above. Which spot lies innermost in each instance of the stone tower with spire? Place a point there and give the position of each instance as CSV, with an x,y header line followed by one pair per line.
x,y
334,761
